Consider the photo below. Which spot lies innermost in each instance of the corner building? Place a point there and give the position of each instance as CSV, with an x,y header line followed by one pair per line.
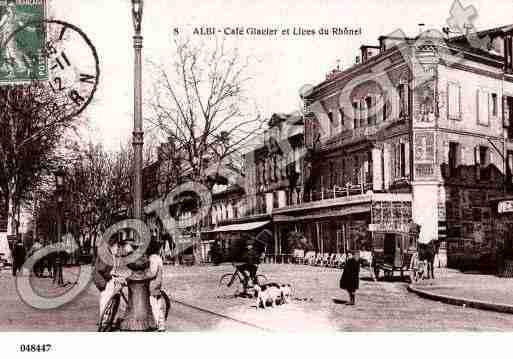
x,y
420,129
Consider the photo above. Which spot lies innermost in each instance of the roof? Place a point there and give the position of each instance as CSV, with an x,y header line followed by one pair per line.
x,y
456,43
493,31
276,118
242,227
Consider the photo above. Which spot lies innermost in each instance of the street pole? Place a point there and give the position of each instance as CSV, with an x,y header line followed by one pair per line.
x,y
34,219
138,134
57,271
138,315
57,260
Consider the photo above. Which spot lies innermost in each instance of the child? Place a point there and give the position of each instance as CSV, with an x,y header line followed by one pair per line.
x,y
156,269
414,267
105,265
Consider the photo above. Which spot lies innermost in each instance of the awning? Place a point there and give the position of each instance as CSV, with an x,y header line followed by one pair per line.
x,y
361,208
239,227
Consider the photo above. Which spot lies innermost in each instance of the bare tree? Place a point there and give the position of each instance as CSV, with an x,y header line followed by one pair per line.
x,y
98,191
202,105
32,123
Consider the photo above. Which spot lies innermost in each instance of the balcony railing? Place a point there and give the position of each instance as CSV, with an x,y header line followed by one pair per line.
x,y
338,192
351,134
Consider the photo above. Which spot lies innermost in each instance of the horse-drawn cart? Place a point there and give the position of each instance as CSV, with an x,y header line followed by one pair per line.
x,y
393,249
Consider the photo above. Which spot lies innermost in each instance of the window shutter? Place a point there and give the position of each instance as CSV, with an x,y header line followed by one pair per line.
x,y
490,106
405,99
459,101
505,112
361,105
355,114
397,160
478,110
385,110
400,95
407,159
374,101
453,92
483,107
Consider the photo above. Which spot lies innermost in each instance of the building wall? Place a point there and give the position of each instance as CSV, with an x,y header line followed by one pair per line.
x,y
465,193
269,167
469,86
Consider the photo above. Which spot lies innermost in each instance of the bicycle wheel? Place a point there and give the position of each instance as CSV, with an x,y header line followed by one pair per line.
x,y
108,315
230,285
167,303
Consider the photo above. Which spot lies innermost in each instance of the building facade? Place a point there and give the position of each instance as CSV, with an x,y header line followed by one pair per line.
x,y
419,130
274,172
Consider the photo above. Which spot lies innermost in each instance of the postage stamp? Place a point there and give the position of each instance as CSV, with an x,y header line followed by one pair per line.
x,y
65,65
17,64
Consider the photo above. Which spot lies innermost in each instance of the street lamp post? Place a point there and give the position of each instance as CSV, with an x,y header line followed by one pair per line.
x,y
137,143
59,181
139,316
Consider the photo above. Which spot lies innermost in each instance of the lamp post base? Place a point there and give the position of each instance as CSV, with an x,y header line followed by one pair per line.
x,y
139,316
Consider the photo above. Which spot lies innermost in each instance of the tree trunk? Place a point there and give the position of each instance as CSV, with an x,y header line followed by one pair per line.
x,y
12,228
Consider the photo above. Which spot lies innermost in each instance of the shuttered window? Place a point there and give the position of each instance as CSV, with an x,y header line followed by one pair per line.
x,y
483,107
341,114
454,97
356,122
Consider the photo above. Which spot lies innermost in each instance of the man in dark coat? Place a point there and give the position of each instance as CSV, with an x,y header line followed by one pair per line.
x,y
350,279
18,255
251,259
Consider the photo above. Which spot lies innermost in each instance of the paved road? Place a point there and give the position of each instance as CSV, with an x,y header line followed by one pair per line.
x,y
380,306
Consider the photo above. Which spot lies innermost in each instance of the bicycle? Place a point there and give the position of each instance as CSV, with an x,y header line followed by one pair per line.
x,y
229,279
107,323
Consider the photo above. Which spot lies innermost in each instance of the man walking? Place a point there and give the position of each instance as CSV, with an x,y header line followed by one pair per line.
x,y
350,279
58,258
18,257
38,266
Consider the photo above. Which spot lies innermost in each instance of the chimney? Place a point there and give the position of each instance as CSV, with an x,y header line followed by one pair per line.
x,y
467,28
363,50
508,53
382,46
421,28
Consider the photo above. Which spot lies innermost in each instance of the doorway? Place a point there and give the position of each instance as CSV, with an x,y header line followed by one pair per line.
x,y
389,247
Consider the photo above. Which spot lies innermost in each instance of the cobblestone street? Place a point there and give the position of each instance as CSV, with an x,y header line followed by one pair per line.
x,y
317,305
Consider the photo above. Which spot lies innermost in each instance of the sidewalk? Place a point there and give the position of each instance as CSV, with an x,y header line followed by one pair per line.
x,y
480,291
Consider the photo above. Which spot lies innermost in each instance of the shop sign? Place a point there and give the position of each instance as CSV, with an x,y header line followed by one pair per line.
x,y
505,206
184,239
389,227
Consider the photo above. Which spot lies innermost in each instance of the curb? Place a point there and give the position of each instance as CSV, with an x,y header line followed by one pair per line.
x,y
472,303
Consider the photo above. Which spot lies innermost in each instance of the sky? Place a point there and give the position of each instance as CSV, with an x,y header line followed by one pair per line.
x,y
281,64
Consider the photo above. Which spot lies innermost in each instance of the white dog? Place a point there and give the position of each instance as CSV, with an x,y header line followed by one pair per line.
x,y
286,293
267,294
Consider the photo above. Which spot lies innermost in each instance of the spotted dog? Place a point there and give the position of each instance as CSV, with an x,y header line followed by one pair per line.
x,y
267,294
286,293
